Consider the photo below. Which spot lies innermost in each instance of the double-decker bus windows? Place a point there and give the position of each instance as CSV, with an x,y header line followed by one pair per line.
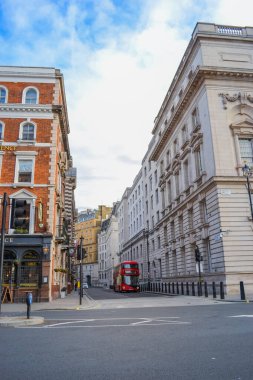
x,y
130,280
130,266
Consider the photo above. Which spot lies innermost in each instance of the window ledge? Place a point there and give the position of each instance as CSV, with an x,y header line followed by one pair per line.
x,y
28,184
26,142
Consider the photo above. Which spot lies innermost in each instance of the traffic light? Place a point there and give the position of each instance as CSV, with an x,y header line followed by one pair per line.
x,y
78,254
20,214
197,255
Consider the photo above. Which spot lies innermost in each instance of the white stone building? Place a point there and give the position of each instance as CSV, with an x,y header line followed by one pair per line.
x,y
122,217
108,248
134,247
194,191
203,134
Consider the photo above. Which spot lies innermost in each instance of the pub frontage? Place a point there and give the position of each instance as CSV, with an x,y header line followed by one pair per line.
x,y
26,267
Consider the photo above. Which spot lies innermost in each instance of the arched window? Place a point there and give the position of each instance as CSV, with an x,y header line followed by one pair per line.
x,y
31,96
1,130
27,132
3,95
30,269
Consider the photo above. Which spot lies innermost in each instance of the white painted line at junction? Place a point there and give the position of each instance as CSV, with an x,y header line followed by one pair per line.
x,y
140,322
66,323
107,326
157,321
241,316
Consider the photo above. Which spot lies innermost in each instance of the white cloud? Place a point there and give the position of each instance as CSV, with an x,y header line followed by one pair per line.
x,y
115,76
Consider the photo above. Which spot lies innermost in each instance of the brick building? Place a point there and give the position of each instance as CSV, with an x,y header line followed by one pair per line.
x,y
88,226
34,160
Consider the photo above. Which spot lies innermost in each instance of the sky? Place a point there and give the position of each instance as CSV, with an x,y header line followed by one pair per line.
x,y
118,58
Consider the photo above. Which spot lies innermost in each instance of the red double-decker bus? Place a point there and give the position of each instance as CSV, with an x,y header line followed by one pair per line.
x,y
126,277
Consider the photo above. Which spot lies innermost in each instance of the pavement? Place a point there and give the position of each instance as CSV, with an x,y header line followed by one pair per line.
x,y
14,314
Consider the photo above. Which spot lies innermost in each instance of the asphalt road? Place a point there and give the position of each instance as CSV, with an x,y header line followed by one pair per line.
x,y
211,342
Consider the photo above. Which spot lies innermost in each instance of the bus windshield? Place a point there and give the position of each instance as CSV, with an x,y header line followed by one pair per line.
x,y
130,280
129,266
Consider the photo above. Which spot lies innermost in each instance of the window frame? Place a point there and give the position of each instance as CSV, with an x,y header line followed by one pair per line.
x,y
21,131
198,162
249,159
3,128
25,95
25,156
6,94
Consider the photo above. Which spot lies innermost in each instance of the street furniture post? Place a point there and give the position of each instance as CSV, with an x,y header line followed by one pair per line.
x,y
2,244
29,300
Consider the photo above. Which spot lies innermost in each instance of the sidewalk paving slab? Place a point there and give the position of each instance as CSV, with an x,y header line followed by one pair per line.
x,y
20,321
14,314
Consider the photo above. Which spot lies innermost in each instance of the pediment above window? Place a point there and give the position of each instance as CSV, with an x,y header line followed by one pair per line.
x,y
243,127
23,194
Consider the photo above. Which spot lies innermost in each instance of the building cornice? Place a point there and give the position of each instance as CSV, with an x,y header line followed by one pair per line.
x,y
200,74
32,108
59,110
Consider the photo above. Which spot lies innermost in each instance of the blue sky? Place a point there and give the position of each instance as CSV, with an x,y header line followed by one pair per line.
x,y
118,58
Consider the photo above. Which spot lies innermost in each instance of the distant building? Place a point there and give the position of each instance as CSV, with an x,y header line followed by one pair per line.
x,y
108,248
88,226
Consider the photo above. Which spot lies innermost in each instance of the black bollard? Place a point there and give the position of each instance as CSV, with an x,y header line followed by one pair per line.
x,y
214,290
222,296
182,288
173,288
187,289
206,290
177,288
165,287
199,289
193,289
29,300
242,292
169,288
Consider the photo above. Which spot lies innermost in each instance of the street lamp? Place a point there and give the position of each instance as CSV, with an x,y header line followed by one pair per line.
x,y
198,259
247,172
112,270
2,244
146,232
81,270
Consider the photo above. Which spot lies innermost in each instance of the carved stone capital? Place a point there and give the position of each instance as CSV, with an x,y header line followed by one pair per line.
x,y
227,98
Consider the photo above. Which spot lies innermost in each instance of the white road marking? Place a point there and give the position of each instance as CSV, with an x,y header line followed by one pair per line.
x,y
241,316
66,323
138,323
75,323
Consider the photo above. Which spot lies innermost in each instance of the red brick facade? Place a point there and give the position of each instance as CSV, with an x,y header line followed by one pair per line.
x,y
33,169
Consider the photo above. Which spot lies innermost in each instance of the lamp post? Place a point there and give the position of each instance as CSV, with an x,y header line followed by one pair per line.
x,y
198,259
112,270
2,244
247,172
81,270
147,253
